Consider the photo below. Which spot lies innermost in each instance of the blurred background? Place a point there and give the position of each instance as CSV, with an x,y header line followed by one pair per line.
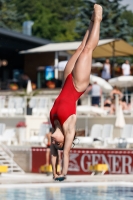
x,y
25,26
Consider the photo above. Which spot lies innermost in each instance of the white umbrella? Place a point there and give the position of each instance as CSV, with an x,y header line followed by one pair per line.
x,y
85,109
122,81
61,65
29,87
105,86
97,64
120,120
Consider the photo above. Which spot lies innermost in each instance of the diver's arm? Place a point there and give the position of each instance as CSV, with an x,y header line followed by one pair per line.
x,y
69,136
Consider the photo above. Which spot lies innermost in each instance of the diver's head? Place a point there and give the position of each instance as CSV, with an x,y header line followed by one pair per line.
x,y
57,138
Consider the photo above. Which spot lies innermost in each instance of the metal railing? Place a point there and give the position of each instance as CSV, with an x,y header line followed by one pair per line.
x,y
9,153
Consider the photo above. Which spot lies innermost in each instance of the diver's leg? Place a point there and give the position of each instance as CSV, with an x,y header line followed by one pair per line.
x,y
71,63
82,68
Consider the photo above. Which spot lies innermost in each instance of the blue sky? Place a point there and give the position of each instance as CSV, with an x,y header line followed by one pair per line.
x,y
129,2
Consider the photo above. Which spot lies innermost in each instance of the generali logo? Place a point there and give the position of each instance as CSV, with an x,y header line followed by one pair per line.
x,y
73,163
117,164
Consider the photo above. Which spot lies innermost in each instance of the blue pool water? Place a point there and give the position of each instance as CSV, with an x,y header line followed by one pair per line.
x,y
68,193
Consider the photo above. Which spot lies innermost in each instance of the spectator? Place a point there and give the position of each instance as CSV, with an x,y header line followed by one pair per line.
x,y
114,92
48,144
108,105
126,69
106,72
96,93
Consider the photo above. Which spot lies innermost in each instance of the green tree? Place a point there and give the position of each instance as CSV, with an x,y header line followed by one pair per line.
x,y
128,15
54,19
113,25
9,17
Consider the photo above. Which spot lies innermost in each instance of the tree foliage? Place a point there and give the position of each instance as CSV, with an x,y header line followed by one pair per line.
x,y
128,15
54,19
9,17
66,20
113,24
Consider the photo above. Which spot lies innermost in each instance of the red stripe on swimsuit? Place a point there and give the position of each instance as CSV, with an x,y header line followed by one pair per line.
x,y
65,104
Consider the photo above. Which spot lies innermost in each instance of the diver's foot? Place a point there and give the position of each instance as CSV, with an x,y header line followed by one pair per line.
x,y
97,13
60,178
55,176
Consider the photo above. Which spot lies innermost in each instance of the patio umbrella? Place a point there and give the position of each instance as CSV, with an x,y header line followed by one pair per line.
x,y
120,120
106,48
29,87
122,81
105,86
85,109
97,64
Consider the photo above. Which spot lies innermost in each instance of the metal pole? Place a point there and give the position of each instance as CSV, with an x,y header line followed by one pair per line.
x,y
56,63
113,57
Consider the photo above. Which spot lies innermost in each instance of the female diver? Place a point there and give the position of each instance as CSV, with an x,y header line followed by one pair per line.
x,y
76,80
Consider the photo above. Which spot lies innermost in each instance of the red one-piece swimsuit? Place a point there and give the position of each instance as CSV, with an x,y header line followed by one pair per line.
x,y
65,104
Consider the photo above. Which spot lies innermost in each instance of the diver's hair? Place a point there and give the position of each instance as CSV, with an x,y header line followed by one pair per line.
x,y
50,129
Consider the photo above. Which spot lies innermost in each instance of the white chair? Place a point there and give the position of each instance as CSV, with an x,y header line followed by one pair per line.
x,y
96,134
126,133
39,139
10,109
42,107
8,136
2,103
107,134
33,102
2,128
19,105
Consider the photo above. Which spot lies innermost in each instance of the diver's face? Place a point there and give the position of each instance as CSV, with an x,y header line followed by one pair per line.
x,y
57,138
59,145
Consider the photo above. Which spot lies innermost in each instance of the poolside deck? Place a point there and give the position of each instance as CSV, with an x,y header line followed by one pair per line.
x,y
43,179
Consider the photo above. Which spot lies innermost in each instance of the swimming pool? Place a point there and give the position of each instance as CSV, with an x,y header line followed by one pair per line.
x,y
57,191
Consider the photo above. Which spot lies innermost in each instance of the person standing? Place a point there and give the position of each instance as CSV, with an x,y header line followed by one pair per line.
x,y
106,72
126,69
96,93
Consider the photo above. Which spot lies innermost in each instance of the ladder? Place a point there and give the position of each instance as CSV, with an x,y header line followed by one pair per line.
x,y
6,159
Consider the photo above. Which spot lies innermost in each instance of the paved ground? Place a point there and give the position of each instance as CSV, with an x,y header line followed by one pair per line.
x,y
41,178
